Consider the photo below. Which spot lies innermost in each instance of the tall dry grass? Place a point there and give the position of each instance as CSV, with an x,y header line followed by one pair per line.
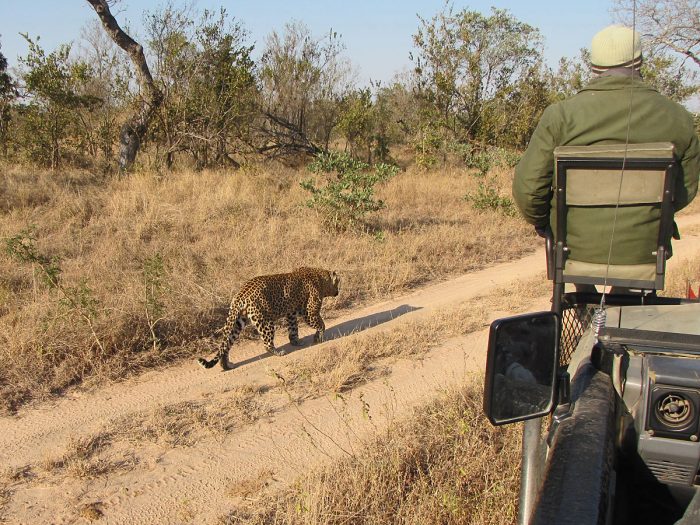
x,y
685,274
444,465
212,231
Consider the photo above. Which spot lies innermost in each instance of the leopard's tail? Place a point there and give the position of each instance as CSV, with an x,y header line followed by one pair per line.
x,y
234,326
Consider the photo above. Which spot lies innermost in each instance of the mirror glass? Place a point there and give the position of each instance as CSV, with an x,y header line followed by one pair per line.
x,y
521,367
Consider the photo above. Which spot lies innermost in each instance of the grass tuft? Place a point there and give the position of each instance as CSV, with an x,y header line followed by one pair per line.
x,y
184,424
85,458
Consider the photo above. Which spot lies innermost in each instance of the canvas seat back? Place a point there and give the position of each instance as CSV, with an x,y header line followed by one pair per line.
x,y
613,182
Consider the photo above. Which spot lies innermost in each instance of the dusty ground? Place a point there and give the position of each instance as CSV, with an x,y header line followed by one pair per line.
x,y
164,448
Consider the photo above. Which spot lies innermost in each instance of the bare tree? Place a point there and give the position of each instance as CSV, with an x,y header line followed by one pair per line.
x,y
303,82
135,127
667,25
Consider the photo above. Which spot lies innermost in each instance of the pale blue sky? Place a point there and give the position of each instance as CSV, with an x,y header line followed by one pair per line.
x,y
377,33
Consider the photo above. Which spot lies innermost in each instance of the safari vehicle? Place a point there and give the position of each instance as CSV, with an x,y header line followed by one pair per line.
x,y
608,384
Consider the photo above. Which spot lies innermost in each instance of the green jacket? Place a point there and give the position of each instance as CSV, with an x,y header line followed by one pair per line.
x,y
599,114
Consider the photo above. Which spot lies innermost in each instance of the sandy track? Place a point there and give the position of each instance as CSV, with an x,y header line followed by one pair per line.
x,y
192,484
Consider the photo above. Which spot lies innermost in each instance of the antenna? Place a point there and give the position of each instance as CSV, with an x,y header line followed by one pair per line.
x,y
599,316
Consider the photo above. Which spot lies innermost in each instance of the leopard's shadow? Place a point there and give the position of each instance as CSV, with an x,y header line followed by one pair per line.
x,y
336,332
363,323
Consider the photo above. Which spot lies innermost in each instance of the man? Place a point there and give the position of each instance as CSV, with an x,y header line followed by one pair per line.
x,y
616,107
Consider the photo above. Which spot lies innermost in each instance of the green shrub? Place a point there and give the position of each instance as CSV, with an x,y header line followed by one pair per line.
x,y
428,146
487,197
484,159
345,200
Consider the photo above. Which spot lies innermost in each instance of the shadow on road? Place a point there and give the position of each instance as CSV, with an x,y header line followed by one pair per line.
x,y
336,332
363,323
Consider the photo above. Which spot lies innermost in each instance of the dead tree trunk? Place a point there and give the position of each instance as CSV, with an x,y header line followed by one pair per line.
x,y
135,127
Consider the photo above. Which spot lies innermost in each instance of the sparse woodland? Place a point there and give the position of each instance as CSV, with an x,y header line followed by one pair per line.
x,y
259,161
479,81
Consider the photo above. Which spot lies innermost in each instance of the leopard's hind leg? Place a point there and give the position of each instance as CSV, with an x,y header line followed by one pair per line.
x,y
235,323
266,329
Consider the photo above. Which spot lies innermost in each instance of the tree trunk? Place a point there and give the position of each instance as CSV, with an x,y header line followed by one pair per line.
x,y
135,127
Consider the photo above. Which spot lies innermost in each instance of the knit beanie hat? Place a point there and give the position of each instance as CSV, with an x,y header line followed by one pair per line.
x,y
615,46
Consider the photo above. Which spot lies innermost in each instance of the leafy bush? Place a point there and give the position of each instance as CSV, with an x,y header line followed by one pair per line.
x,y
428,146
484,159
346,200
480,160
487,197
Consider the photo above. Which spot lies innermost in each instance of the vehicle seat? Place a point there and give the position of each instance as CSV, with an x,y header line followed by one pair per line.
x,y
591,181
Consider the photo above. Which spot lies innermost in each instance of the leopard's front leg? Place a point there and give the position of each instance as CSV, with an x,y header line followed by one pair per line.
x,y
293,328
312,316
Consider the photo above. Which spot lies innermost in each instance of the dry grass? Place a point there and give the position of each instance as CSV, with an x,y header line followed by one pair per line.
x,y
184,424
5,497
86,458
686,272
10,479
253,485
212,231
6,482
91,511
444,465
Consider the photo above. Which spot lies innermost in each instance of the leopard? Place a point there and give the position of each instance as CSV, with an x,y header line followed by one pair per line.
x,y
265,299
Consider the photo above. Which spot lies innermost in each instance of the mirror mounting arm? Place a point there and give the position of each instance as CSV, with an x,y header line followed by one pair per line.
x,y
563,388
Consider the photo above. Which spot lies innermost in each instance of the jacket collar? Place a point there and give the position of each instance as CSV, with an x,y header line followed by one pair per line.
x,y
614,82
621,72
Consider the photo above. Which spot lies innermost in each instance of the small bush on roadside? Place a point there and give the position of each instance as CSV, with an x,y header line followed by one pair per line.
x,y
77,300
154,288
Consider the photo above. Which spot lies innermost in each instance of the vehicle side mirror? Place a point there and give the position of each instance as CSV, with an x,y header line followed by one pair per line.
x,y
521,367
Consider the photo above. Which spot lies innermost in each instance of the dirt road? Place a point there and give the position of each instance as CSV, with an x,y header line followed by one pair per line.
x,y
92,454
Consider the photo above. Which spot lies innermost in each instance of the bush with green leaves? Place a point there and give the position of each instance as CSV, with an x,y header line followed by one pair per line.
x,y
487,197
484,159
428,146
345,200
57,89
